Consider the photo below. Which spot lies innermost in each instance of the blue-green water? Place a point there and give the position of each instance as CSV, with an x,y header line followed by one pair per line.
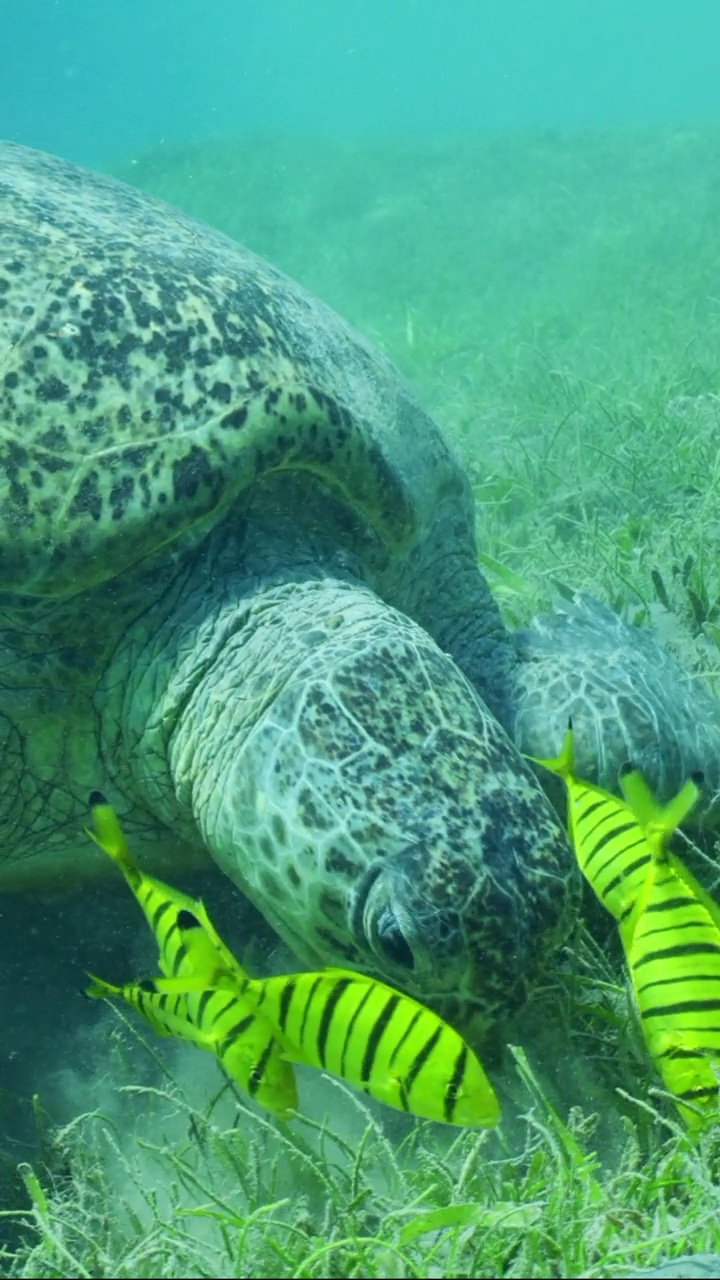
x,y
519,202
93,78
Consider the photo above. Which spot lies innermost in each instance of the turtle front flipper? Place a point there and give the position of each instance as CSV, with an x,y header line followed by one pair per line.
x,y
628,698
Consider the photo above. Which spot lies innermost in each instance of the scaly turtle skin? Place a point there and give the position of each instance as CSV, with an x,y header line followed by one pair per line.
x,y
238,586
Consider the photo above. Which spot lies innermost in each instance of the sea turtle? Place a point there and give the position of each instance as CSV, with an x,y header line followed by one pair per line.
x,y
239,589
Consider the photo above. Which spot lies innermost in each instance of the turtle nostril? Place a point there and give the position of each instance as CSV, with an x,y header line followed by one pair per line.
x,y
392,941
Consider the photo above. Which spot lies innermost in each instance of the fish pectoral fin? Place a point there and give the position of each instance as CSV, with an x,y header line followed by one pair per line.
x,y
184,1029
290,1053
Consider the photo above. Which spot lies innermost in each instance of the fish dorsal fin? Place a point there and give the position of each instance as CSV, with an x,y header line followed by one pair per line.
x,y
184,986
328,971
216,956
564,763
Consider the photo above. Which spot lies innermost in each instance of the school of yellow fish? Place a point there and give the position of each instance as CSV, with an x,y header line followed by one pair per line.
x,y
375,1038
669,925
393,1048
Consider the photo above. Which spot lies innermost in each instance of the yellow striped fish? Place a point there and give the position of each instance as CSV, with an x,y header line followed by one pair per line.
x,y
374,1037
608,839
199,949
223,1022
379,1041
672,944
192,953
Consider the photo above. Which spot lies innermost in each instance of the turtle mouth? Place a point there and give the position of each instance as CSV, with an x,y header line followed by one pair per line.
x,y
375,921
360,900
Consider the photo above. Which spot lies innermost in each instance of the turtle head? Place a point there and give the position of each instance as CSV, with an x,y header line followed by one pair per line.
x,y
427,920
348,778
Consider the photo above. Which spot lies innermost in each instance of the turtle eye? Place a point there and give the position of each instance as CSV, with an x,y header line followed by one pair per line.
x,y
392,942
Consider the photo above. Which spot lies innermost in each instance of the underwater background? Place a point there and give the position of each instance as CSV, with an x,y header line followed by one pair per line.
x,y
519,203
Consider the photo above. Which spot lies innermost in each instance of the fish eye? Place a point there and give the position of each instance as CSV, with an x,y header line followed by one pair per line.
x,y
392,943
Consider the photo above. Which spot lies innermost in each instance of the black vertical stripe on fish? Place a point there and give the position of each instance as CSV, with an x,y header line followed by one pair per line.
x,y
351,1028
682,1006
625,873
619,856
174,927
145,1006
607,839
257,1074
456,1079
670,904
408,1030
628,848
677,1051
603,812
179,958
331,1003
375,1036
673,953
599,802
306,1010
700,1091
237,1030
672,927
158,914
286,998
203,1002
421,1058
673,981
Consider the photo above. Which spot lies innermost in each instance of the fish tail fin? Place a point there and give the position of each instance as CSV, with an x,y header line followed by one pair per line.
x,y
100,988
658,821
564,763
108,834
